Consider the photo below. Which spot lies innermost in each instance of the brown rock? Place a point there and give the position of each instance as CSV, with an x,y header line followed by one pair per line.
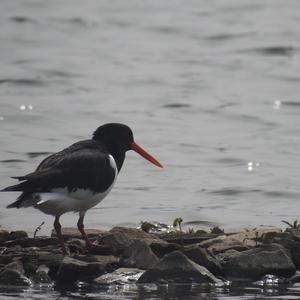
x,y
72,232
120,238
239,241
119,276
177,268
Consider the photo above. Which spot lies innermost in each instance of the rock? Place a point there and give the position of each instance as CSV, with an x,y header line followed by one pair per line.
x,y
72,232
104,259
40,241
201,257
240,241
119,276
161,249
139,255
18,234
101,262
5,259
188,238
252,264
286,239
295,278
76,245
177,268
3,235
42,275
52,261
120,238
73,269
13,274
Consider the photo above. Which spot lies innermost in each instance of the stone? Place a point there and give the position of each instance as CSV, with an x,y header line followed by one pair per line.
x,y
52,261
139,255
13,274
295,278
104,259
161,249
239,241
42,275
287,240
3,236
120,238
120,276
203,258
40,241
76,245
18,234
252,264
72,232
5,259
73,269
177,268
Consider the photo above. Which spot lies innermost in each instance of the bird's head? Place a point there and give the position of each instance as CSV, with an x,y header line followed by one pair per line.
x,y
119,138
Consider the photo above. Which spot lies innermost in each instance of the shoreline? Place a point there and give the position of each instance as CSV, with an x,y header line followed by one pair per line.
x,y
141,257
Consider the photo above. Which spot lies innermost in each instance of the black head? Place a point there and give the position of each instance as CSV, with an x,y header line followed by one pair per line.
x,y
117,137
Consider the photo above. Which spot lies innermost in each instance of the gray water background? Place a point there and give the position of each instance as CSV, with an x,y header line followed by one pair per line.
x,y
211,88
208,87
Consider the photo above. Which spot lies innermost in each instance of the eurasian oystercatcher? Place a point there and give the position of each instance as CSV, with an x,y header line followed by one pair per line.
x,y
78,177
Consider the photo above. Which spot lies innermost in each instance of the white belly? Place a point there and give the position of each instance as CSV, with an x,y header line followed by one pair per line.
x,y
60,201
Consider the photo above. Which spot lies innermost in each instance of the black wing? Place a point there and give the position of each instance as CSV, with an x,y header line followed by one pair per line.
x,y
83,165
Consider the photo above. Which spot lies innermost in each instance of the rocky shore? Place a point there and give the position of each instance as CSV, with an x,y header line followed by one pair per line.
x,y
137,256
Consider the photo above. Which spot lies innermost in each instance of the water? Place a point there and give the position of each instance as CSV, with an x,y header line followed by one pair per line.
x,y
211,88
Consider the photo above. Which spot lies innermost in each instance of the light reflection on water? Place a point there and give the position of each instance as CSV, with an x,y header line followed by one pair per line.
x,y
267,290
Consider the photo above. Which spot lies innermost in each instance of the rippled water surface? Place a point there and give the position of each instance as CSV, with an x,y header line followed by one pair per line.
x,y
211,88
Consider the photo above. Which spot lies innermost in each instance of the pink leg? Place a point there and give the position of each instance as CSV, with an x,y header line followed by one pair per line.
x,y
57,228
89,245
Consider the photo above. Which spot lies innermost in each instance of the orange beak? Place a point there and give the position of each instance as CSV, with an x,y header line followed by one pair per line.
x,y
135,147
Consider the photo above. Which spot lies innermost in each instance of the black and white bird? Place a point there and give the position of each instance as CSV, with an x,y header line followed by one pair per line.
x,y
78,177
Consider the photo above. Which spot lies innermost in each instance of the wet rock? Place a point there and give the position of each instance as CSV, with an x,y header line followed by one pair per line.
x,y
104,259
240,241
42,275
76,245
139,255
13,274
161,249
252,264
52,261
5,259
40,241
73,269
103,263
120,276
72,232
3,236
286,239
188,238
203,258
18,234
120,238
177,268
295,278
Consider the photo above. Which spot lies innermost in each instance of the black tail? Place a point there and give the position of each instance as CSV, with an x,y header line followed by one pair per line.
x,y
15,204
12,188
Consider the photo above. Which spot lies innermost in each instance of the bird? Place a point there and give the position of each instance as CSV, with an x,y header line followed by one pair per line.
x,y
78,177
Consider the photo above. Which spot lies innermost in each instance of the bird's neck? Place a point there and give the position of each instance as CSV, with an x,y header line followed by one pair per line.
x,y
119,158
